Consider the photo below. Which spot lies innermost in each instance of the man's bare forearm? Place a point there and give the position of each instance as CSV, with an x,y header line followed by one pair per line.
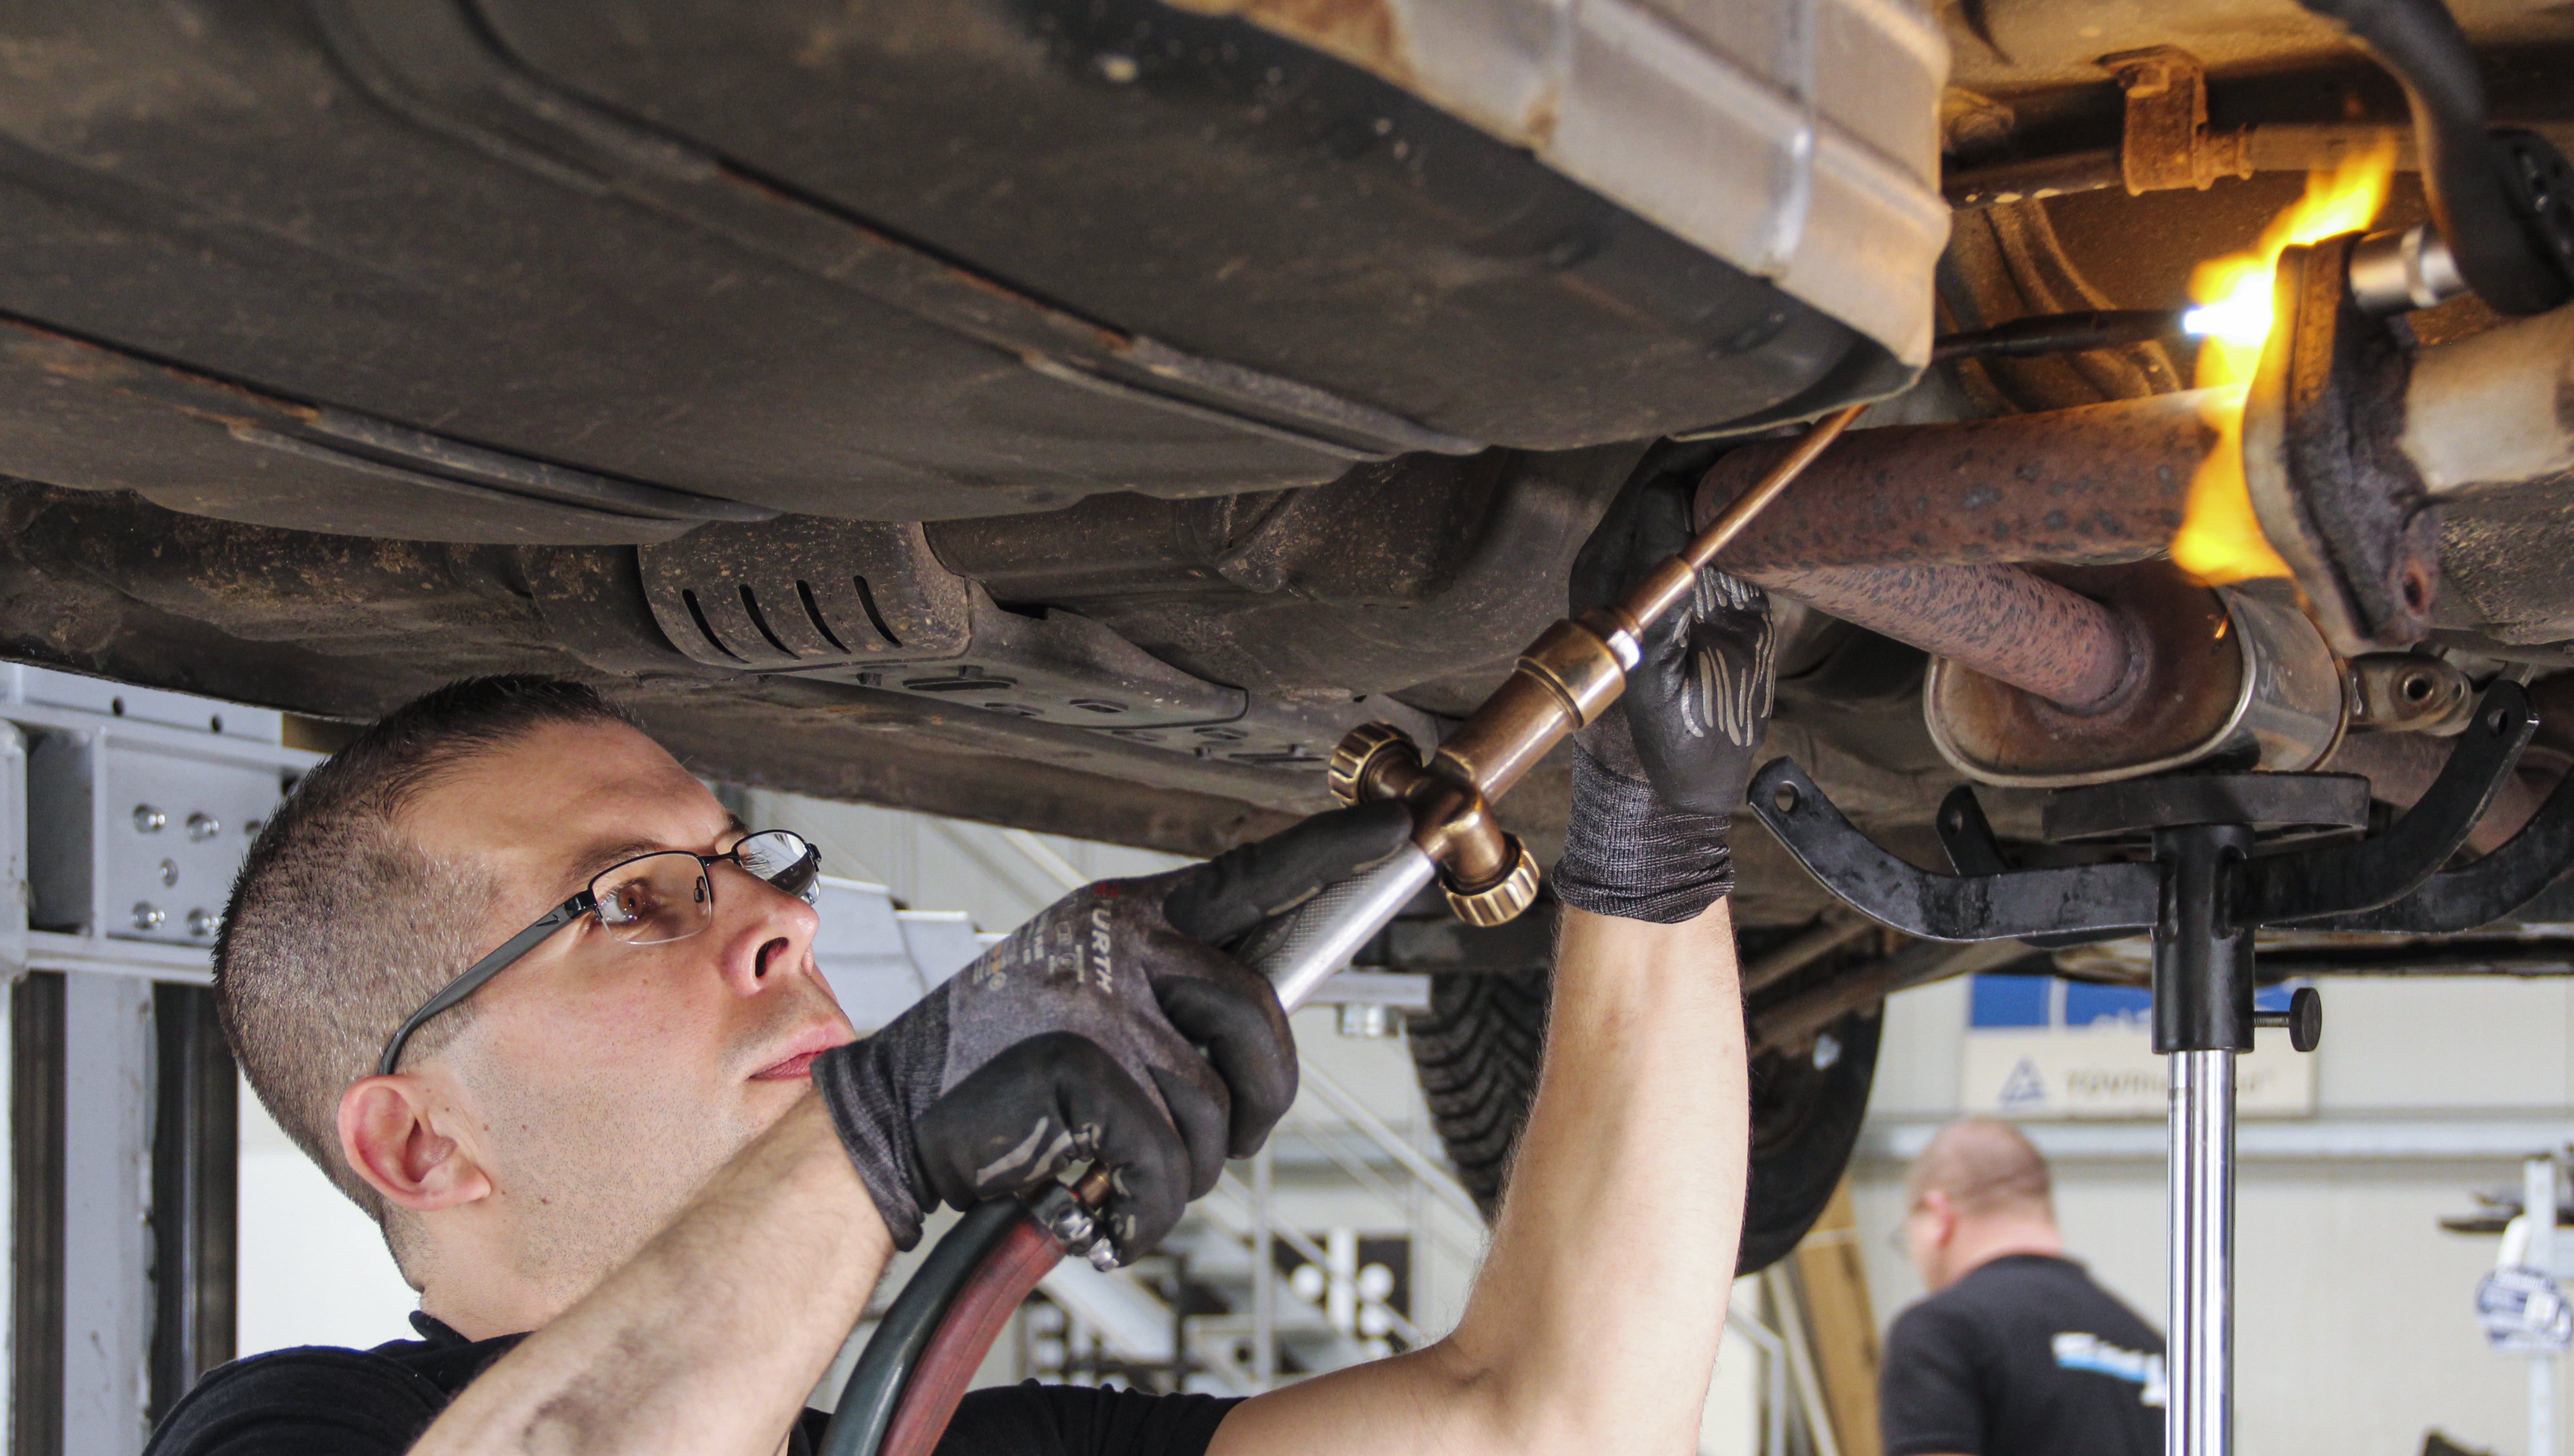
x,y
1595,1322
709,1341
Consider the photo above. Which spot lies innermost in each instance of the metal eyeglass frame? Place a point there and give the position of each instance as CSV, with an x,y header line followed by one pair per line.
x,y
795,879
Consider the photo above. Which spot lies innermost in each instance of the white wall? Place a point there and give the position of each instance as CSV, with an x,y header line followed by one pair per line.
x,y
314,1271
2357,1329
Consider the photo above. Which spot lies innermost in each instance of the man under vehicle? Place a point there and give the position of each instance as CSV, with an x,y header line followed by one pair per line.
x,y
528,994
2017,1352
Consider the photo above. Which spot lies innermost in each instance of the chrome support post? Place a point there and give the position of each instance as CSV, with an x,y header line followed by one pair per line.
x,y
2202,1017
2198,1408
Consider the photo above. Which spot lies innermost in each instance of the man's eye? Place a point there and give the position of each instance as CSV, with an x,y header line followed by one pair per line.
x,y
627,903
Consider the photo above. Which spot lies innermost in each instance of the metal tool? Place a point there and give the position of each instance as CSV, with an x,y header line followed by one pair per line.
x,y
908,1380
2202,894
1563,681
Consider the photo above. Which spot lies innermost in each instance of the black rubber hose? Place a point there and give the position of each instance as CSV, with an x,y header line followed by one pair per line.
x,y
2043,334
2504,202
875,1383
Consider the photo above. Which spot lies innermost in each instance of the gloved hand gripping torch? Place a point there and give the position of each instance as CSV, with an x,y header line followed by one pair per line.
x,y
914,1370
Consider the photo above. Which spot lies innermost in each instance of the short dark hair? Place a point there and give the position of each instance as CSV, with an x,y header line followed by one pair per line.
x,y
339,926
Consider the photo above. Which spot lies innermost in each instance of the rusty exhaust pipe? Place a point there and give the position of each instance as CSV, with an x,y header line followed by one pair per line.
x,y
2005,621
1920,532
2025,553
2097,484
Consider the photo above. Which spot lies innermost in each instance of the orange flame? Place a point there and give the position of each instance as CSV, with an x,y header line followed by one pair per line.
x,y
2220,540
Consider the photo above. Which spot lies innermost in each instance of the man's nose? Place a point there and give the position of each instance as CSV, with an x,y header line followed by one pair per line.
x,y
767,931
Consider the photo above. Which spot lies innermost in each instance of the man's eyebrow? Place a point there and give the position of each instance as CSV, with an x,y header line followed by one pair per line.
x,y
608,855
602,855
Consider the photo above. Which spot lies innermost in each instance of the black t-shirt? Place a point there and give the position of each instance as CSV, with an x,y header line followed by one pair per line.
x,y
2024,1356
329,1402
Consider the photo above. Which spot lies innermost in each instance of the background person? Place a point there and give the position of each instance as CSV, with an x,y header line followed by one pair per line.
x,y
2015,1352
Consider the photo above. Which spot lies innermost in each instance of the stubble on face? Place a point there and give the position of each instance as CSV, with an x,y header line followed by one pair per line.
x,y
589,1168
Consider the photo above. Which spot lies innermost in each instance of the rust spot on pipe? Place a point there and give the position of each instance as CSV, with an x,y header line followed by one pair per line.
x,y
2001,621
2097,484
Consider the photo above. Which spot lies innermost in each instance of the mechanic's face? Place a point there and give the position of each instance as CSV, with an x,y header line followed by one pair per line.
x,y
610,1081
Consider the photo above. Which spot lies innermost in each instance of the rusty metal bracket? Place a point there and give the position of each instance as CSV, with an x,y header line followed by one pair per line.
x,y
2330,481
2167,143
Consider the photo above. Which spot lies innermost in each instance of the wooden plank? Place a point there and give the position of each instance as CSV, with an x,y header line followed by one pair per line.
x,y
1832,1285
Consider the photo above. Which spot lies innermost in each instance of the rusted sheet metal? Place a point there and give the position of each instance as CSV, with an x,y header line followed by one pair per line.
x,y
2001,621
2168,142
2094,485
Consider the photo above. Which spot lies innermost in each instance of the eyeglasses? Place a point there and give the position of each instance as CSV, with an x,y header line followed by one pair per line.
x,y
651,899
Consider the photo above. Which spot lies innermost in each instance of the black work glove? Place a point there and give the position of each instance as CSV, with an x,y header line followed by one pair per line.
x,y
1107,1030
1657,779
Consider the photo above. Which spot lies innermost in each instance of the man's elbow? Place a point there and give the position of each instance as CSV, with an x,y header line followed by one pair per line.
x,y
1501,1403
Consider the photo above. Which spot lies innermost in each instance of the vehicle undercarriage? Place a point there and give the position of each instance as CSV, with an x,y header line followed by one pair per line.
x,y
1082,417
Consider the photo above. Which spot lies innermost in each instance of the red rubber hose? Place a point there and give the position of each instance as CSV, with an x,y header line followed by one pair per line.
x,y
972,1322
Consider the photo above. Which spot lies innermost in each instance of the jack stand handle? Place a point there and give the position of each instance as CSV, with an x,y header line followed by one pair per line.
x,y
2304,1020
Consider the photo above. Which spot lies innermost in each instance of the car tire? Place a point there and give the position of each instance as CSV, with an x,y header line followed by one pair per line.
x,y
1478,1048
1807,1108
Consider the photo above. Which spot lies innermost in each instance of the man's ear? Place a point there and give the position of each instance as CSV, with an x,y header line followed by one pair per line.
x,y
391,1132
1941,1210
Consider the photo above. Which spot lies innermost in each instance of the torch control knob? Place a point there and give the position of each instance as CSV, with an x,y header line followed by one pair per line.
x,y
1502,901
1362,749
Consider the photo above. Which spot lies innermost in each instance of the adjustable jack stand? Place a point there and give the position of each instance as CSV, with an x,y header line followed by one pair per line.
x,y
2202,892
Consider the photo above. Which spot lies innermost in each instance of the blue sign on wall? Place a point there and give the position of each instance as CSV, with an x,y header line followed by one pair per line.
x,y
1999,1001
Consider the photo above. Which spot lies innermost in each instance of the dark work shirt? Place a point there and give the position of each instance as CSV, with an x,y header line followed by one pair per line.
x,y
2024,1356
329,1402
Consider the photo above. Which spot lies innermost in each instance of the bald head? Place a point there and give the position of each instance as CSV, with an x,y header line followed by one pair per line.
x,y
1984,1166
1979,1192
